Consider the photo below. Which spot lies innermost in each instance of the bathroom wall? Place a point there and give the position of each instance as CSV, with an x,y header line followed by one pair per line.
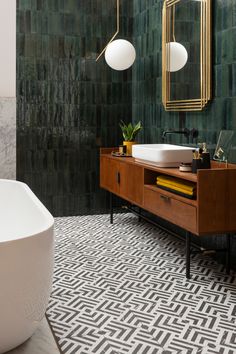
x,y
8,137
147,86
8,89
68,105
8,48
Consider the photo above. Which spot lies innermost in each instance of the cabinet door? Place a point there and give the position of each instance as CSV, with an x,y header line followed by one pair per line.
x,y
131,182
123,179
109,174
114,176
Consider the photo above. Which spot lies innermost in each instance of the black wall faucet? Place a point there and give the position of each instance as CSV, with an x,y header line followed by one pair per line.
x,y
193,133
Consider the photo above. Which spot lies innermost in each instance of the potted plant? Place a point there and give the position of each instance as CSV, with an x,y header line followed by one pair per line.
x,y
129,132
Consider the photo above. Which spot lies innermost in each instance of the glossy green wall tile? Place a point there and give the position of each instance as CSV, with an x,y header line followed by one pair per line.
x,y
146,79
68,105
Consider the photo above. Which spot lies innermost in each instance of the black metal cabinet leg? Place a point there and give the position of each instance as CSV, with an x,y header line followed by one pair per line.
x,y
139,217
111,208
188,252
228,253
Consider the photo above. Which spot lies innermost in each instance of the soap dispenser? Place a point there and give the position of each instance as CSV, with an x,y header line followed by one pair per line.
x,y
206,160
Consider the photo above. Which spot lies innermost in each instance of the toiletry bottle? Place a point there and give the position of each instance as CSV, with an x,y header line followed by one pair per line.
x,y
197,160
206,161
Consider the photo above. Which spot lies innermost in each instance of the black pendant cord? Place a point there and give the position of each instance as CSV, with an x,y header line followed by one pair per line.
x,y
228,253
188,253
111,208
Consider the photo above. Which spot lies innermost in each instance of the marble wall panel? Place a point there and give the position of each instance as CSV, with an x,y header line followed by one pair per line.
x,y
8,138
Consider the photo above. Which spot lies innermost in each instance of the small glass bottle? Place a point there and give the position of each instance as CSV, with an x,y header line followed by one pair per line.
x,y
206,160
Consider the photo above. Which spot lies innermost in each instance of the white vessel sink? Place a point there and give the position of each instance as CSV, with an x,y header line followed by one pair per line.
x,y
162,155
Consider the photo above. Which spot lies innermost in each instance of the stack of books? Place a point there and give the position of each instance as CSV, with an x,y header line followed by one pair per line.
x,y
178,186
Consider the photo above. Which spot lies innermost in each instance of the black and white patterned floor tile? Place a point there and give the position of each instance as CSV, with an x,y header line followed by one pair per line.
x,y
121,289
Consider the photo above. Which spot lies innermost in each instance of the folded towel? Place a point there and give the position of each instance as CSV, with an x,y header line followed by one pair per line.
x,y
177,182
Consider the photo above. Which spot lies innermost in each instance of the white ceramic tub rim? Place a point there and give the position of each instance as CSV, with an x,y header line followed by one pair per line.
x,y
43,209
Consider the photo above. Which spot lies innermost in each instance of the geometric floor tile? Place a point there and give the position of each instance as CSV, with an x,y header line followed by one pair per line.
x,y
121,289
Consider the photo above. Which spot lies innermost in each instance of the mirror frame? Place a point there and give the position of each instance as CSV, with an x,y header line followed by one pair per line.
x,y
205,80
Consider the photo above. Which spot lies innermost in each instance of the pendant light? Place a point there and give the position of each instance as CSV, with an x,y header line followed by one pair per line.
x,y
120,54
178,56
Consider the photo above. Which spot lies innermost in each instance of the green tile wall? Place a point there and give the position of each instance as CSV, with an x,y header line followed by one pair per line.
x,y
68,105
146,80
147,90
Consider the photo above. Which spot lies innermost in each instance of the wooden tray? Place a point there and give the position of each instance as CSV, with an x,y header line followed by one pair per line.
x,y
118,154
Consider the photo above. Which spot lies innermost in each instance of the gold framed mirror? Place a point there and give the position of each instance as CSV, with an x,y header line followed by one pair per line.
x,y
186,54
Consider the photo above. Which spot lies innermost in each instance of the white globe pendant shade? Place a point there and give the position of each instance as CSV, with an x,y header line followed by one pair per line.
x,y
178,56
120,54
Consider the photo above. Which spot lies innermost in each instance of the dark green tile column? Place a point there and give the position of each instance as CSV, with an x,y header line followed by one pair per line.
x,y
68,105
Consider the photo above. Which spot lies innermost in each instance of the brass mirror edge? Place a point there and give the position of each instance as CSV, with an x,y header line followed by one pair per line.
x,y
163,54
181,101
186,106
205,59
193,102
170,3
209,52
184,109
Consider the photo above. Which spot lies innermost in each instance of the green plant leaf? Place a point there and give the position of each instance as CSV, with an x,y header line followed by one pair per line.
x,y
130,131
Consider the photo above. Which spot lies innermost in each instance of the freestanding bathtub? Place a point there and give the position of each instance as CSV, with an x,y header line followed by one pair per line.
x,y
26,262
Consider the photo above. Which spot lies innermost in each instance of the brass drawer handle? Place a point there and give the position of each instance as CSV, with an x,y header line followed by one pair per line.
x,y
164,197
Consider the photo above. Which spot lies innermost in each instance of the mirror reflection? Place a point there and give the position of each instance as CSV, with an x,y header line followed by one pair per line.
x,y
186,54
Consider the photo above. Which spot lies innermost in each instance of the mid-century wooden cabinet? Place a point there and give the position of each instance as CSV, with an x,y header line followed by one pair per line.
x,y
122,179
212,212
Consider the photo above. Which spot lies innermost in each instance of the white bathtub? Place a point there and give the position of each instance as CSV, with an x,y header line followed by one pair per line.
x,y
26,262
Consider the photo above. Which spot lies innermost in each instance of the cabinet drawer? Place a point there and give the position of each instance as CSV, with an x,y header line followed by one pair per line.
x,y
177,212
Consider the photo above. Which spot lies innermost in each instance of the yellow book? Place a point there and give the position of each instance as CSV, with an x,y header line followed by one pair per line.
x,y
172,186
175,188
176,182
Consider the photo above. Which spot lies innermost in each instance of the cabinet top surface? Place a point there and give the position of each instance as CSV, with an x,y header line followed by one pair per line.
x,y
167,170
106,152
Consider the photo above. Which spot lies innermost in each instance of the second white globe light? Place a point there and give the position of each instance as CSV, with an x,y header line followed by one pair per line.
x,y
178,56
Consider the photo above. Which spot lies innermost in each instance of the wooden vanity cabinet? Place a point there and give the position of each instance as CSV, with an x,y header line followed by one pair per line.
x,y
212,212
122,179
